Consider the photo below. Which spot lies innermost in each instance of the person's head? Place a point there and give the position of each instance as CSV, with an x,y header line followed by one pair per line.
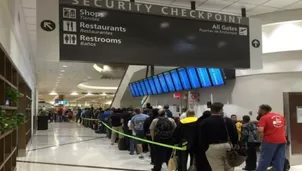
x,y
246,119
184,110
190,113
148,106
234,118
161,113
217,108
166,107
154,113
206,114
264,109
137,111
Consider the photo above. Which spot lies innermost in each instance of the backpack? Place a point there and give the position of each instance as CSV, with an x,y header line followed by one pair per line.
x,y
252,133
164,128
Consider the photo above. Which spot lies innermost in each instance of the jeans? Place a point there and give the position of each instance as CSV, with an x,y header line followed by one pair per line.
x,y
272,153
133,147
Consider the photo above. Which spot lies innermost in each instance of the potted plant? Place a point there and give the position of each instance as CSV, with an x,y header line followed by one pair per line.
x,y
12,95
10,121
42,120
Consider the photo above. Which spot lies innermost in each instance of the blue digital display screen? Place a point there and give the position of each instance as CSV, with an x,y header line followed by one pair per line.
x,y
163,83
157,85
139,88
193,77
216,76
132,90
148,87
176,80
152,85
141,83
135,89
169,81
204,77
184,78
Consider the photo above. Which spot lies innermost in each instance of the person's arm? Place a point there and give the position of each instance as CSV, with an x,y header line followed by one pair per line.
x,y
152,127
261,127
233,132
132,123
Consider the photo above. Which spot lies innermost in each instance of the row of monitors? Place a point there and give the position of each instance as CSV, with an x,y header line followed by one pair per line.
x,y
177,80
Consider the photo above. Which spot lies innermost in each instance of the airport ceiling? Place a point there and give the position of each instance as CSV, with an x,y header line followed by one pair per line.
x,y
76,73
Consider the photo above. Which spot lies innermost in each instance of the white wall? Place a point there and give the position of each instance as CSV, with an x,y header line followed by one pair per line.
x,y
14,39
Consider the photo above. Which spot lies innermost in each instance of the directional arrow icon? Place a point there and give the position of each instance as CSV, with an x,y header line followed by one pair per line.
x,y
48,25
255,43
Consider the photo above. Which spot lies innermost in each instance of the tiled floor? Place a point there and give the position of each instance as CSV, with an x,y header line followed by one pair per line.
x,y
70,147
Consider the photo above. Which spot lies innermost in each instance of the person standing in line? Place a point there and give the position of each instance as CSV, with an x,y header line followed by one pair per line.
x,y
238,125
162,130
272,129
78,116
186,132
133,142
168,111
137,124
249,139
214,133
147,123
184,114
202,163
116,123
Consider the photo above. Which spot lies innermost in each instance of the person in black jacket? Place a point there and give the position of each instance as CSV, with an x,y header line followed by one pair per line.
x,y
214,135
147,123
186,133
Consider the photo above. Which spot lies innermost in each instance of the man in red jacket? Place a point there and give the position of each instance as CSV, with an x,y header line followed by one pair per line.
x,y
272,128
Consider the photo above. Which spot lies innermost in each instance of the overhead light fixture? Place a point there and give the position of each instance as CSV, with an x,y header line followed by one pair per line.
x,y
97,87
62,70
104,94
74,94
53,93
89,77
64,66
96,67
89,94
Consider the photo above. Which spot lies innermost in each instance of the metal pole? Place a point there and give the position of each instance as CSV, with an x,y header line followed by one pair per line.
x,y
147,71
193,5
152,70
243,12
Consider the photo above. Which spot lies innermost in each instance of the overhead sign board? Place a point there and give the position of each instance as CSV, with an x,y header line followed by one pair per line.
x,y
111,31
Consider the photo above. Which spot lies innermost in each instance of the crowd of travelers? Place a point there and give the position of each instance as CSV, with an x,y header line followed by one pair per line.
x,y
209,139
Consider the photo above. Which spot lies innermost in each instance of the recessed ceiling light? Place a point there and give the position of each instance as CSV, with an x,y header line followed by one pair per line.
x,y
89,77
62,70
89,94
53,93
104,94
64,66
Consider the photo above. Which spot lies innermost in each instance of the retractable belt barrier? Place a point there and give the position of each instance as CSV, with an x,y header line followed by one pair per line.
x,y
184,148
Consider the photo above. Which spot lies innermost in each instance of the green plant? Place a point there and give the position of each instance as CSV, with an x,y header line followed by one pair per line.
x,y
12,94
42,112
10,121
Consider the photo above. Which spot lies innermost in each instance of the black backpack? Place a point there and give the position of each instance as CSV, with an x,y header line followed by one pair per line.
x,y
164,128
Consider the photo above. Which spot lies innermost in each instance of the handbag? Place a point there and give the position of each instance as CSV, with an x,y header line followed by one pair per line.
x,y
173,162
235,156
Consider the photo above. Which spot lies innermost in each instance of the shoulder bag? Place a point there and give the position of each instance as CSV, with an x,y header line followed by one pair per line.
x,y
235,156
